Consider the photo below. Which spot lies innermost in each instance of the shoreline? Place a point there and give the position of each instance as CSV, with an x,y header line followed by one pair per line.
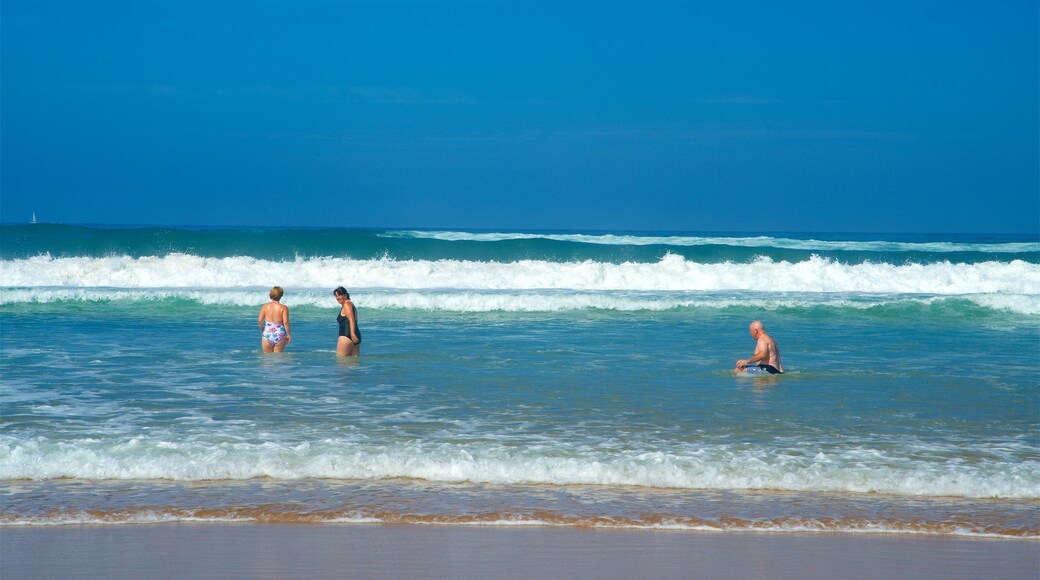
x,y
263,550
441,522
416,502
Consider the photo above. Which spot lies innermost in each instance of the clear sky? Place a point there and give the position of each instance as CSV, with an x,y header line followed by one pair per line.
x,y
860,116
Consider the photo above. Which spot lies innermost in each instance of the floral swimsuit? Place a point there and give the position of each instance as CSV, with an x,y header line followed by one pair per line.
x,y
274,332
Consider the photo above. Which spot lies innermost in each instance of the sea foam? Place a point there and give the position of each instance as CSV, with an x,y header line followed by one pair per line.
x,y
475,301
708,467
671,273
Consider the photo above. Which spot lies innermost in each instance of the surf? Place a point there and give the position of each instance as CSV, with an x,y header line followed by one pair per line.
x,y
316,301
670,273
851,469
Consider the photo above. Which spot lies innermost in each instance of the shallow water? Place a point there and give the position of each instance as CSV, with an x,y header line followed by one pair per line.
x,y
131,394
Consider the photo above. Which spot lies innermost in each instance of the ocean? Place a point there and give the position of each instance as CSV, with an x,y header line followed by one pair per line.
x,y
578,379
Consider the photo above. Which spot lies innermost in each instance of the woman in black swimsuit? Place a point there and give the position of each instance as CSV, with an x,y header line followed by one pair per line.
x,y
349,342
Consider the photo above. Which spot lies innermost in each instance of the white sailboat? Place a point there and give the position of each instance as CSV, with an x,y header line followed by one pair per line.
x,y
34,217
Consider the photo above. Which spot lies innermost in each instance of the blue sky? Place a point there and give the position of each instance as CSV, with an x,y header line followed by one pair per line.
x,y
855,116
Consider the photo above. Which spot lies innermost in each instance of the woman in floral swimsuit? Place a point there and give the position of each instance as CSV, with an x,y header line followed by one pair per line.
x,y
274,323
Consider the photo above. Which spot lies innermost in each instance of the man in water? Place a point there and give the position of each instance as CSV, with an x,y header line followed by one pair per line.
x,y
767,353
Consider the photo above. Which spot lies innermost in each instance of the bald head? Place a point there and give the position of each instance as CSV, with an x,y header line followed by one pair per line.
x,y
755,328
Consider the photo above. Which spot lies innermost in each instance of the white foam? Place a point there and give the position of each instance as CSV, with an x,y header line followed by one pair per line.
x,y
745,242
710,467
559,300
671,274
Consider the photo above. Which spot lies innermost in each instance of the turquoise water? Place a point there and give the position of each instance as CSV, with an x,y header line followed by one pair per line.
x,y
522,378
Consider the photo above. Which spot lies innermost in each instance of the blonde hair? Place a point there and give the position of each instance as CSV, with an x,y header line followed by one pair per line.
x,y
276,293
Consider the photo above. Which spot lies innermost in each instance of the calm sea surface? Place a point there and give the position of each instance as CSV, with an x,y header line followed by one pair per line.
x,y
522,379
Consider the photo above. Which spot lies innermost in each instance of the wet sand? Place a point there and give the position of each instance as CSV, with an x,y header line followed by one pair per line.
x,y
404,551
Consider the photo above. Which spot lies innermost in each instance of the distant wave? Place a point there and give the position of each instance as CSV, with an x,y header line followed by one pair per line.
x,y
672,273
746,242
284,244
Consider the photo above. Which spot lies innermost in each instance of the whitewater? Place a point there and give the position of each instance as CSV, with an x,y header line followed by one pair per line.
x,y
671,273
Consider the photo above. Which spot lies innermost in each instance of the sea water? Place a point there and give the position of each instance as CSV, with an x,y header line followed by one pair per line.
x,y
522,378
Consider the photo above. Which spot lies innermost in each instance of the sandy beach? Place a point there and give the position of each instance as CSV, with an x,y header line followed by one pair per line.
x,y
401,551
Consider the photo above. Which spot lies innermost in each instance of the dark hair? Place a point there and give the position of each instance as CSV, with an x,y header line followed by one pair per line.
x,y
341,291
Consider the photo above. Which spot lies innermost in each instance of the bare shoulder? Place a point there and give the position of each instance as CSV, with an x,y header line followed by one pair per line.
x,y
770,343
